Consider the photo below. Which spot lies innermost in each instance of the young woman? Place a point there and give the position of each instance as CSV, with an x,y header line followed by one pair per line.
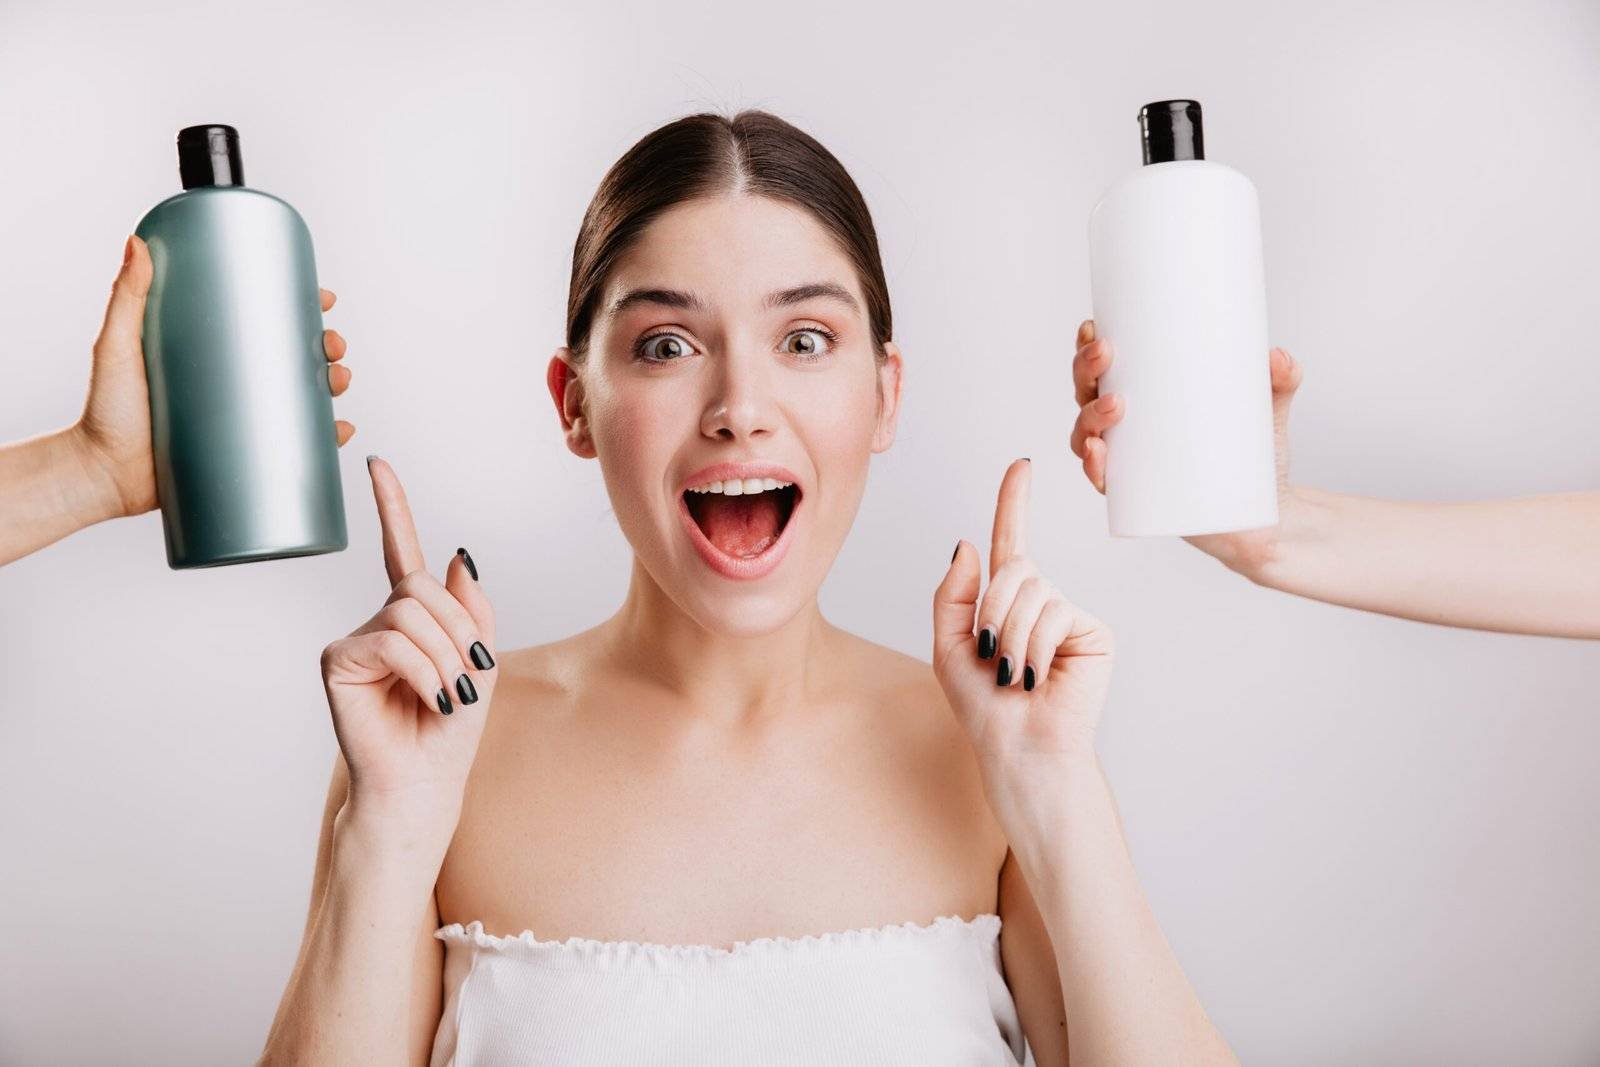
x,y
102,466
1528,565
715,828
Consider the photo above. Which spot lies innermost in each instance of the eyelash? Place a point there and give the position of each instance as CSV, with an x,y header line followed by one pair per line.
x,y
833,339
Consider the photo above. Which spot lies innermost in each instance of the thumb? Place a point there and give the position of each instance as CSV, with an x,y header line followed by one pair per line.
x,y
955,602
1286,378
119,334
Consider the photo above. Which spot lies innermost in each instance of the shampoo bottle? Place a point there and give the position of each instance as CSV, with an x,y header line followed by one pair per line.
x,y
1179,291
241,419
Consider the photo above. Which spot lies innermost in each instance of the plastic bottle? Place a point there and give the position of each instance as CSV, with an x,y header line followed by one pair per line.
x,y
1179,291
241,420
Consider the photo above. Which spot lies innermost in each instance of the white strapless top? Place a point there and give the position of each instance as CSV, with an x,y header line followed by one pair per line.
x,y
910,994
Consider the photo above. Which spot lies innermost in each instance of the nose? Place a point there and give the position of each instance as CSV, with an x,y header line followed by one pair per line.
x,y
740,405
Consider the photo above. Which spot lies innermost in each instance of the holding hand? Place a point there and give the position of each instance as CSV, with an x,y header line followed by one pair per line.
x,y
410,688
1239,550
113,433
1024,670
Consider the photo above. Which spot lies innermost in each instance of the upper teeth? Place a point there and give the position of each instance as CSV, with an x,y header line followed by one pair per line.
x,y
739,486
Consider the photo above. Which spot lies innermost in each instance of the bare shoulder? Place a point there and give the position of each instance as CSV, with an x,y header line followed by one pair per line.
x,y
913,722
537,689
898,681
545,677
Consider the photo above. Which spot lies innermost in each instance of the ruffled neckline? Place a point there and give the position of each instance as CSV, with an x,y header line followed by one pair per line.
x,y
984,924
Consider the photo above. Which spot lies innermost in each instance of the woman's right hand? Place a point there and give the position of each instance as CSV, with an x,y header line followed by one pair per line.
x,y
1245,550
410,689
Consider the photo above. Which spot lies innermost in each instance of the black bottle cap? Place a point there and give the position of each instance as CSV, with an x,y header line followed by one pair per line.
x,y
1170,129
209,155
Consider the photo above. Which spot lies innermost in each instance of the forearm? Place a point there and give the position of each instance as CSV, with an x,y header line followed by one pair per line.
x,y
1127,999
348,998
1522,565
48,489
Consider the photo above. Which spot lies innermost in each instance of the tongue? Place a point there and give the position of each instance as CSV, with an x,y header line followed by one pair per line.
x,y
741,526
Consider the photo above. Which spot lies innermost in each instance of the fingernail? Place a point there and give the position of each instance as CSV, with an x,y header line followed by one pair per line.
x,y
1027,677
1105,404
127,251
444,703
956,553
465,691
986,642
1027,459
466,557
370,458
480,656
1003,675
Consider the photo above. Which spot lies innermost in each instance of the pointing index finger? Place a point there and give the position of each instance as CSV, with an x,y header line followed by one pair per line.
x,y
1010,515
401,552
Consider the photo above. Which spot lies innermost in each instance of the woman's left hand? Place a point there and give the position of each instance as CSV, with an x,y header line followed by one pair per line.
x,y
1024,670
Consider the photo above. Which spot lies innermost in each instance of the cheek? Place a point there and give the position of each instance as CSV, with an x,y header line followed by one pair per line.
x,y
838,425
632,433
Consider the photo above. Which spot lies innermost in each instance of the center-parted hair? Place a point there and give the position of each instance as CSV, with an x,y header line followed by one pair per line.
x,y
754,153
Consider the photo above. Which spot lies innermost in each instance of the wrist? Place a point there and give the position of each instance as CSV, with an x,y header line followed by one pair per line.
x,y
392,842
1029,794
89,491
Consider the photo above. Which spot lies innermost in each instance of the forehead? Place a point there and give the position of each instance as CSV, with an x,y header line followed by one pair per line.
x,y
731,251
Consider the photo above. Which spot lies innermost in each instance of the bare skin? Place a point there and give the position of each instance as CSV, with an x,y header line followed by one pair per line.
x,y
716,762
1528,565
102,467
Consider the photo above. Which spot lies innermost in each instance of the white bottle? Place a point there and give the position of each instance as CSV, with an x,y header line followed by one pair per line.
x,y
1179,291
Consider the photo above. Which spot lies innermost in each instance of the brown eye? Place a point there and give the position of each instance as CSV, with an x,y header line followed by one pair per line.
x,y
671,348
813,342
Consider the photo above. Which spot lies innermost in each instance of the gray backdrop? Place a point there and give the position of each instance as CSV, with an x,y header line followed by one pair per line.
x,y
1371,841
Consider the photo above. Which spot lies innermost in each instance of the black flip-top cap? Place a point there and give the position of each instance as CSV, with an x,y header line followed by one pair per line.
x,y
209,155
1170,129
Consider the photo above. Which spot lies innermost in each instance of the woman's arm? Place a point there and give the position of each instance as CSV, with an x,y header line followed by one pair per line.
x,y
1128,999
1031,971
1026,674
50,486
365,988
1526,565
358,956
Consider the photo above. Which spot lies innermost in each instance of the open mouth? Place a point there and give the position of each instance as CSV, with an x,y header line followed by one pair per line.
x,y
745,525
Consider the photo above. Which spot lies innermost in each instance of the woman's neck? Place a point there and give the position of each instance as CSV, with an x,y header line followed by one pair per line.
x,y
715,675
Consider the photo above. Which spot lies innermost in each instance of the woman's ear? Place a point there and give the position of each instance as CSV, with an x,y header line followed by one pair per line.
x,y
566,389
889,370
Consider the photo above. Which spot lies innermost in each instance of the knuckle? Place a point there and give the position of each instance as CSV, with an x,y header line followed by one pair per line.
x,y
410,581
392,645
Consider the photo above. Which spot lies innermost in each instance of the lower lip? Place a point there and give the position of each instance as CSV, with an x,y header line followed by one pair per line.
x,y
732,566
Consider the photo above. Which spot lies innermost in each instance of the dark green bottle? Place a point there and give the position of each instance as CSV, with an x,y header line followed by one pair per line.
x,y
241,420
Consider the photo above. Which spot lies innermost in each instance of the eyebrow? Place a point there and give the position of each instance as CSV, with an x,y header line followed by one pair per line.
x,y
676,298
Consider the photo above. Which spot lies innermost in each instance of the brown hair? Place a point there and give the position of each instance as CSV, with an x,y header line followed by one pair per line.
x,y
703,155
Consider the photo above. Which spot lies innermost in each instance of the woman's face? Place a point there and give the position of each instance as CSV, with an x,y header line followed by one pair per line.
x,y
731,349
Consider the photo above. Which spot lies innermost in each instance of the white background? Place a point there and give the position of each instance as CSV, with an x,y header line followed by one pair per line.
x,y
1370,841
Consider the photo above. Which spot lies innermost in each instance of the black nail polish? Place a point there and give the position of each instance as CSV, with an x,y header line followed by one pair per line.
x,y
444,703
1027,677
956,553
986,643
480,656
465,691
466,557
1003,675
